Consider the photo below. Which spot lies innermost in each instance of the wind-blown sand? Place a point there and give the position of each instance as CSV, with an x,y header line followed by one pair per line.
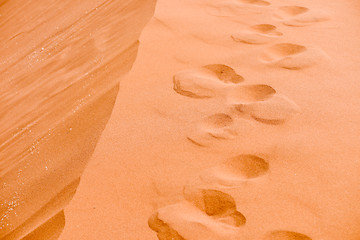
x,y
239,120
60,67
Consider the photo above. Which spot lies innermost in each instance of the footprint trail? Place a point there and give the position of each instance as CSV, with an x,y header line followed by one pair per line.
x,y
207,212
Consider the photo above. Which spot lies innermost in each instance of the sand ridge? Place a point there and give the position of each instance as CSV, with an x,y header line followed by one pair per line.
x,y
61,63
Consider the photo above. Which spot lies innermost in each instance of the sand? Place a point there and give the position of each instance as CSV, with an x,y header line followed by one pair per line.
x,y
238,120
60,75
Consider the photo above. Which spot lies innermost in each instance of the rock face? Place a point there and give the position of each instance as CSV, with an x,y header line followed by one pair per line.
x,y
60,66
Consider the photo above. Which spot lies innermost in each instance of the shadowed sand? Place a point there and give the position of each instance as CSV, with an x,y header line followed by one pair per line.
x,y
61,77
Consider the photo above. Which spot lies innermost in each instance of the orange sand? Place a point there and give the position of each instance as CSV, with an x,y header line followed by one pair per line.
x,y
61,64
239,120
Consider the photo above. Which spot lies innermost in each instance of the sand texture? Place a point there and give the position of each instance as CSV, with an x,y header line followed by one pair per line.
x,y
60,67
239,120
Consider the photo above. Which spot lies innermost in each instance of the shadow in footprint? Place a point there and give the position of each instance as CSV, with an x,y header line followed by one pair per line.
x,y
219,120
257,34
206,214
286,235
291,11
163,230
298,16
266,29
261,102
283,50
291,56
219,126
216,204
206,82
245,94
225,73
236,171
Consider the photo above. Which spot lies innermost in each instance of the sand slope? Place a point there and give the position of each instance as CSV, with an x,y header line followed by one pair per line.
x,y
60,66
238,121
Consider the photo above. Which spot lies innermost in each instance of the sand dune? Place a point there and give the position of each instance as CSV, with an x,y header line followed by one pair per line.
x,y
61,64
238,120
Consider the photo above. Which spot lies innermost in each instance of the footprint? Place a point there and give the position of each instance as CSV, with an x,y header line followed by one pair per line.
x,y
196,83
266,29
184,220
291,56
221,126
225,73
218,126
298,16
163,230
255,2
245,94
219,120
235,171
262,103
275,110
258,34
282,51
205,214
206,82
291,11
216,204
286,235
